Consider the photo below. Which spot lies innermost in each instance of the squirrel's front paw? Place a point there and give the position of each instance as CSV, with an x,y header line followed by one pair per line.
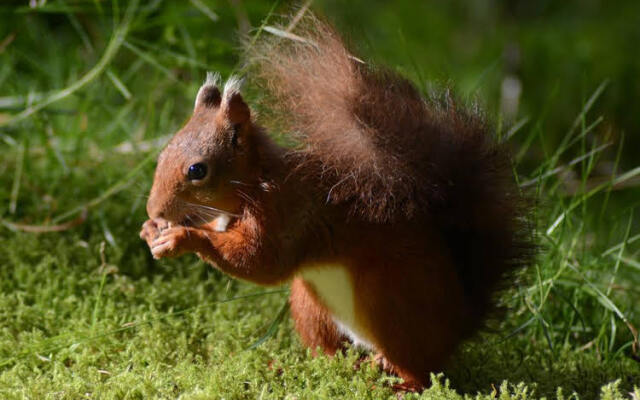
x,y
170,242
151,229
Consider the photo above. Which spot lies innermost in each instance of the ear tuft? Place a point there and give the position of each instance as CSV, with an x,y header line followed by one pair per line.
x,y
209,94
232,88
213,79
232,103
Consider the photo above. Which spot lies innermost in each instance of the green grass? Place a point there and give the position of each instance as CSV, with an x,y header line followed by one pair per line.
x,y
89,90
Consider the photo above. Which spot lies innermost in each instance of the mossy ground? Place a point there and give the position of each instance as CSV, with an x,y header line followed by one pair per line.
x,y
87,313
78,324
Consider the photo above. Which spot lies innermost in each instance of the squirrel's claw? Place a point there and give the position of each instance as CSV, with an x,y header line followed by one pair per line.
x,y
170,242
152,228
149,230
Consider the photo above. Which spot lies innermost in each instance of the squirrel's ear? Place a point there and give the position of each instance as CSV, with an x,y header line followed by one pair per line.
x,y
209,95
233,106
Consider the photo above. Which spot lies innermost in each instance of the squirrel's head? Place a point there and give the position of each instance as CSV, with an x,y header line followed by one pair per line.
x,y
197,173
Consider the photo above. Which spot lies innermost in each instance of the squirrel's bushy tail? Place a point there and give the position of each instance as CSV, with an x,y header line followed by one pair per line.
x,y
357,127
371,142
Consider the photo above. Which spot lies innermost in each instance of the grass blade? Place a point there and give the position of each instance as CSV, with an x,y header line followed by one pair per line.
x,y
205,10
273,326
17,178
112,49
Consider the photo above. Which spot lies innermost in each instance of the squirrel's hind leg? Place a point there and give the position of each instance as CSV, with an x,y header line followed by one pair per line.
x,y
313,321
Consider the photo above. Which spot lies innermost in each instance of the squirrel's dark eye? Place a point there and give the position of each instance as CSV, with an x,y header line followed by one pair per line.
x,y
197,172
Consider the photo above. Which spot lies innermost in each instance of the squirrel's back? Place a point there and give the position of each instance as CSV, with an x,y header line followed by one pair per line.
x,y
372,143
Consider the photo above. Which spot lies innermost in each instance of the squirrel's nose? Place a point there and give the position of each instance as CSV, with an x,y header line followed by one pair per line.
x,y
153,210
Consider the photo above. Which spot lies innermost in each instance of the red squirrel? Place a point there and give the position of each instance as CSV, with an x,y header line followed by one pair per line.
x,y
395,218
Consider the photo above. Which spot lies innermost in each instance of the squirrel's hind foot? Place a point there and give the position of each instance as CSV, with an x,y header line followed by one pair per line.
x,y
409,384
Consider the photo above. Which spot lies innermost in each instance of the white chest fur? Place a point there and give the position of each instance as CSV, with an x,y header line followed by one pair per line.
x,y
333,284
220,223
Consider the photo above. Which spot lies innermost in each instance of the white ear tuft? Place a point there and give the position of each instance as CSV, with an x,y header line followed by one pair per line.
x,y
213,79
231,87
207,92
232,104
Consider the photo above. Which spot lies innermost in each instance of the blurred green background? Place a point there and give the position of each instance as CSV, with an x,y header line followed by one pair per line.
x,y
556,53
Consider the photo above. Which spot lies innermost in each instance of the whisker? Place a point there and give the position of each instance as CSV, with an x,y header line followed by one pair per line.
x,y
246,196
207,213
205,218
241,183
202,206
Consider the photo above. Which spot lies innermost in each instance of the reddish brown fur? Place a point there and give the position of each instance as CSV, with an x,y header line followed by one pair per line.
x,y
412,196
312,320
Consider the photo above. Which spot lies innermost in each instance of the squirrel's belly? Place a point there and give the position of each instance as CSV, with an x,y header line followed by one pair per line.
x,y
332,283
